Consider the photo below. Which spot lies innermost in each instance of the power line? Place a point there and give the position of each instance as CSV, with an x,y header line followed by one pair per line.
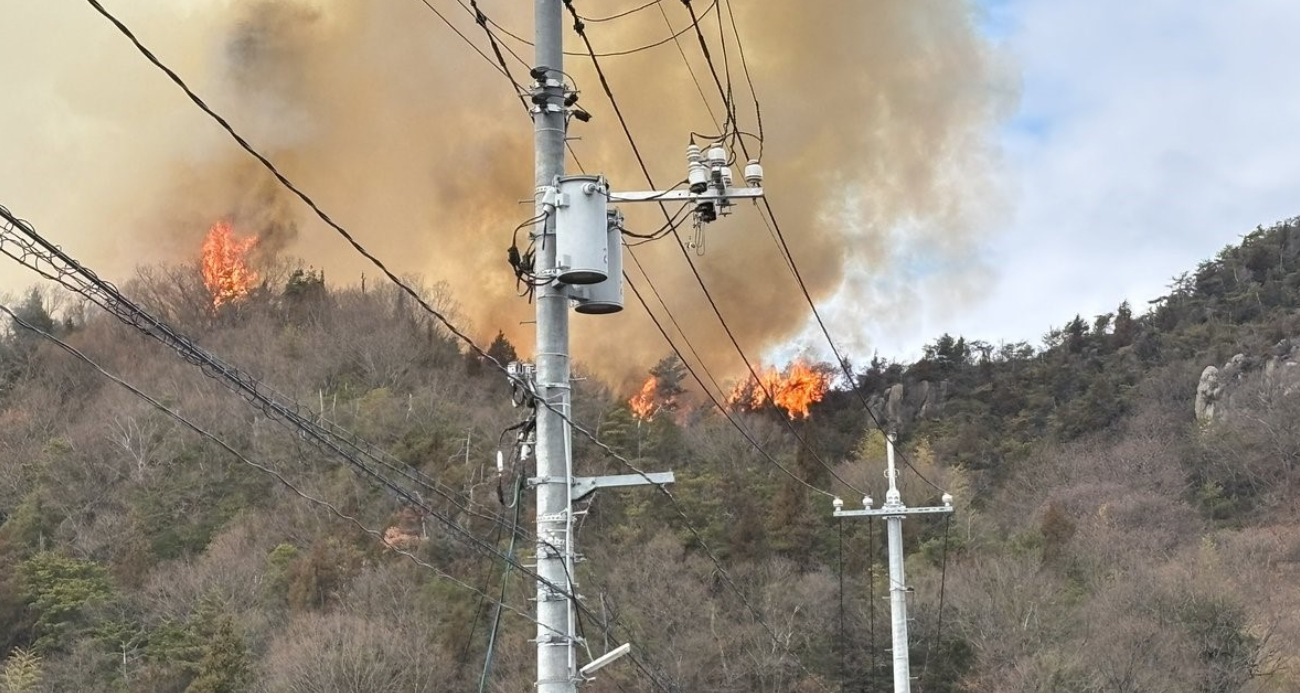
x,y
609,94
451,327
698,359
501,67
848,373
785,249
70,274
698,87
7,245
708,59
179,418
615,54
624,13
943,579
716,403
744,63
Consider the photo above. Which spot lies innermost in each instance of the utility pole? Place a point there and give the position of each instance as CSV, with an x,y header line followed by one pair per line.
x,y
579,261
556,653
894,510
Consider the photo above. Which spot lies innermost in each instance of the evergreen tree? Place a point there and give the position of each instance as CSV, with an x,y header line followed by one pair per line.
x,y
225,667
502,350
60,589
668,375
21,673
33,312
1125,326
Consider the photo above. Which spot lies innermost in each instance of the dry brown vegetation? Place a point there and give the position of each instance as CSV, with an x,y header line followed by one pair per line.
x,y
1104,540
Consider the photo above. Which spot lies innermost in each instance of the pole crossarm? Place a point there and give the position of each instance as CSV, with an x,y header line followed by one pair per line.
x,y
893,512
585,485
686,195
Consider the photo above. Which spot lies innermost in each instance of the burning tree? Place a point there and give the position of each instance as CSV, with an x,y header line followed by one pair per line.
x,y
661,391
225,268
795,390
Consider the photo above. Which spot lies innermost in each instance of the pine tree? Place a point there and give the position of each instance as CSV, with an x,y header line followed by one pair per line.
x,y
225,666
668,375
502,350
21,673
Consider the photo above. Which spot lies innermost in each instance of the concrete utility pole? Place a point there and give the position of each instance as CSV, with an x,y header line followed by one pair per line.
x,y
579,260
894,511
556,663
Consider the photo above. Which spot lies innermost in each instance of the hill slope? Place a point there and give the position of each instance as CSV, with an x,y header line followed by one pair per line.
x,y
1105,539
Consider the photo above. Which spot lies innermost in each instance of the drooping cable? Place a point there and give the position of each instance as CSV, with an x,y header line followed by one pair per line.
x,y
731,121
505,583
614,54
775,226
842,645
499,65
187,423
282,411
871,597
691,347
839,358
634,10
943,579
744,63
758,380
451,327
698,87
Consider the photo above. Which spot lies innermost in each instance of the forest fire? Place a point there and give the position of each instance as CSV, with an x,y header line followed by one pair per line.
x,y
226,273
643,403
795,390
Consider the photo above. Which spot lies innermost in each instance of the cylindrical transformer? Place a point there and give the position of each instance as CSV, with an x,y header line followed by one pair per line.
x,y
581,230
607,296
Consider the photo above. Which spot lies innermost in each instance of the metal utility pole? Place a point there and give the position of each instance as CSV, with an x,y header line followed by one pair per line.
x,y
556,655
894,511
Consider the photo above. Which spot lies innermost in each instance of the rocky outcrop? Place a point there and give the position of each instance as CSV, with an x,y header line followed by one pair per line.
x,y
903,405
1216,388
1208,392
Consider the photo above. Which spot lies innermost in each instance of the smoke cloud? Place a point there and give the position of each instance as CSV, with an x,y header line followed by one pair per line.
x,y
879,117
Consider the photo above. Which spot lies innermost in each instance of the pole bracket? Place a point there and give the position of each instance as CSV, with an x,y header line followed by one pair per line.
x,y
583,486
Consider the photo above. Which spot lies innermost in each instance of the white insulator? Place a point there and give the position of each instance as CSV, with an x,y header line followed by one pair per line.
x,y
838,503
754,174
717,155
501,462
947,499
726,177
697,175
866,502
693,154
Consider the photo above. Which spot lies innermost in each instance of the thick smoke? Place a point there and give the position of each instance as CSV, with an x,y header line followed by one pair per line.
x,y
878,117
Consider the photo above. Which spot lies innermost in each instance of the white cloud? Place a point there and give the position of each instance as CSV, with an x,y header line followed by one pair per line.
x,y
1150,135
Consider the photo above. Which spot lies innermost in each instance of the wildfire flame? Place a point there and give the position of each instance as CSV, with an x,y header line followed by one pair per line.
x,y
643,402
795,391
225,265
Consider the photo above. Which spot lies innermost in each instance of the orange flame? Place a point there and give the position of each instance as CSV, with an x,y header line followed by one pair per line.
x,y
643,402
225,265
795,391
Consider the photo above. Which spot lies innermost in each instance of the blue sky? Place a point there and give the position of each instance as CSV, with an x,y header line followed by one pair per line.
x,y
1147,136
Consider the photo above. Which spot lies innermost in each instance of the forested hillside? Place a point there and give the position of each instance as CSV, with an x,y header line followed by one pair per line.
x,y
1105,539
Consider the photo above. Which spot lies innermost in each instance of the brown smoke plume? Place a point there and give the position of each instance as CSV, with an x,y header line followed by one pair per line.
x,y
879,115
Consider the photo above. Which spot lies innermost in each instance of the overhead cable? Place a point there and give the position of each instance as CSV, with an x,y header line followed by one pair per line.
x,y
609,94
187,423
